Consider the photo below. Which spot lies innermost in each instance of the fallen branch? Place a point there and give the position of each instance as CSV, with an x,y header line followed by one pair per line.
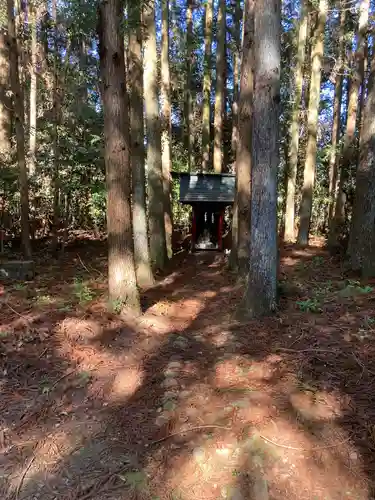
x,y
16,312
63,376
25,471
311,349
317,448
86,268
183,431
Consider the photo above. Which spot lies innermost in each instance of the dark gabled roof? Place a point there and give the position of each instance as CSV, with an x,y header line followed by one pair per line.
x,y
208,188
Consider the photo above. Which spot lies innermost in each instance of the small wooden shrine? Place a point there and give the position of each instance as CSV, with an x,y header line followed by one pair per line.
x,y
208,195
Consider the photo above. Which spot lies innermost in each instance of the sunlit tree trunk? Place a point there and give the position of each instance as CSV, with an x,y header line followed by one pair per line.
x,y
336,123
33,89
122,287
244,146
312,124
206,113
141,248
188,84
348,152
219,92
362,236
362,99
5,146
166,126
18,110
236,72
260,293
295,127
55,132
154,160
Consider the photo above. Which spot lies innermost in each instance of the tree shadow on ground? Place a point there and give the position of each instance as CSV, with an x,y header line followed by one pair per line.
x,y
280,418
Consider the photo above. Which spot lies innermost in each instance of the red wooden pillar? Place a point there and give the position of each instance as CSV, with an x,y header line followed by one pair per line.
x,y
193,230
220,230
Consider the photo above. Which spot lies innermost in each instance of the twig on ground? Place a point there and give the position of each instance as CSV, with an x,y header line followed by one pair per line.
x,y
183,431
25,471
16,312
364,368
296,340
317,448
63,376
311,349
98,487
86,268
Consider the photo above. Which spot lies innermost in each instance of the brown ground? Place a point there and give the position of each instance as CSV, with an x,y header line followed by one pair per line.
x,y
185,403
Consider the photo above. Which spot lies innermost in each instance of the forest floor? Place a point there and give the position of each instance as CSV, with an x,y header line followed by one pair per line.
x,y
185,403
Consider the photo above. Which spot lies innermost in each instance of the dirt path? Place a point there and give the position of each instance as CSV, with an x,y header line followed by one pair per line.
x,y
186,403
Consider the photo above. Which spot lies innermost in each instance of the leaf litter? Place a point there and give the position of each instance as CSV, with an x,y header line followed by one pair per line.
x,y
297,388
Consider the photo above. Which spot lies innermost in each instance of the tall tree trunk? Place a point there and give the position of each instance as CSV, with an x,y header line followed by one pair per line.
x,y
362,99
188,84
141,247
236,71
289,233
219,92
55,133
244,146
338,221
260,295
206,113
18,109
362,235
122,285
336,123
33,89
166,126
5,119
312,123
154,161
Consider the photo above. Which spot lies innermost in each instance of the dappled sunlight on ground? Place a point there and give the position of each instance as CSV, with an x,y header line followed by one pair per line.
x,y
185,402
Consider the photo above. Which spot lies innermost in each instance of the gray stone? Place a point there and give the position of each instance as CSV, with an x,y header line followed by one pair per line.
x,y
199,455
169,395
162,420
169,383
174,365
181,342
169,405
184,394
236,494
22,270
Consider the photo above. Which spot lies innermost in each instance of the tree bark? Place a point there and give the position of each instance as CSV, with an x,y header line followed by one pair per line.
x,y
188,85
312,123
18,110
33,90
236,72
347,156
289,232
336,122
244,146
141,248
206,113
260,293
5,118
166,126
220,88
122,287
154,161
362,235
55,133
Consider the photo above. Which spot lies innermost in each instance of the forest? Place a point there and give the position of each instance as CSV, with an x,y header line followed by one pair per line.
x,y
187,249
